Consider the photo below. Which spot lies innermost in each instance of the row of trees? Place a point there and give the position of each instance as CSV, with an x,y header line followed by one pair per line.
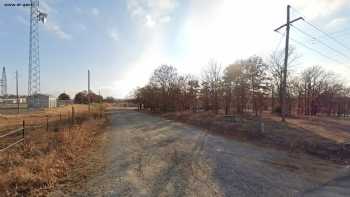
x,y
82,97
316,91
248,85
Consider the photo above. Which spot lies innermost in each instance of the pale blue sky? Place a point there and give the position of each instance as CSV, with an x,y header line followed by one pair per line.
x,y
122,41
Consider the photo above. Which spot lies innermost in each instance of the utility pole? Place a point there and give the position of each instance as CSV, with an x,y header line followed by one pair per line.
x,y
286,53
17,97
89,100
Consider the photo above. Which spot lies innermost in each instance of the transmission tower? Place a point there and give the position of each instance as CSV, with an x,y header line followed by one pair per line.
x,y
3,82
34,58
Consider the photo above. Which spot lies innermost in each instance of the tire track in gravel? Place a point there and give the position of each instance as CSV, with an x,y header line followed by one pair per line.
x,y
150,156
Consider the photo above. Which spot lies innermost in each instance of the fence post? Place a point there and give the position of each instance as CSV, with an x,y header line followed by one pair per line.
x,y
73,114
47,122
101,109
23,125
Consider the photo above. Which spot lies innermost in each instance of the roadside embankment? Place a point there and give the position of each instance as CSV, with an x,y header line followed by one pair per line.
x,y
315,137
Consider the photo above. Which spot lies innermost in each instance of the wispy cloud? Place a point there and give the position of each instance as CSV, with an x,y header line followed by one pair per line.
x,y
152,12
316,9
81,27
52,25
57,30
113,34
46,7
150,21
78,10
95,11
337,23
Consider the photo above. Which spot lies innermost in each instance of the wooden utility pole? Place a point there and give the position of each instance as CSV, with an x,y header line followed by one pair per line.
x,y
101,100
17,97
89,100
286,53
284,89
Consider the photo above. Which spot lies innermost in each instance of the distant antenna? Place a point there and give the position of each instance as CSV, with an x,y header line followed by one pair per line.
x,y
34,58
3,82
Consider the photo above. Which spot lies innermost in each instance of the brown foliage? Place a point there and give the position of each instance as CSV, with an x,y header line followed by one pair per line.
x,y
249,85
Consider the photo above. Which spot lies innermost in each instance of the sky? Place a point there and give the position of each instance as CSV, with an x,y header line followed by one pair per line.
x,y
123,41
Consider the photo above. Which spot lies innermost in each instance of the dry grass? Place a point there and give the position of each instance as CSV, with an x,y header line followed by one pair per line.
x,y
331,128
9,121
34,168
320,136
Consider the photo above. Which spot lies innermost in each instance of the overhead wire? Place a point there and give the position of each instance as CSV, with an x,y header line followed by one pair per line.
x,y
320,30
314,50
318,40
280,41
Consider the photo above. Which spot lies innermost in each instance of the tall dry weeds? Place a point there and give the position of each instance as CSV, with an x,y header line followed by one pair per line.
x,y
34,168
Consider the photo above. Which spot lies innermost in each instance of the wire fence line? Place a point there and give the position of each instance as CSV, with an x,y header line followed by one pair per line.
x,y
54,122
13,132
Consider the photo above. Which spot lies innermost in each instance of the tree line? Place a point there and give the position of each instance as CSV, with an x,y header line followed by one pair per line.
x,y
247,86
83,97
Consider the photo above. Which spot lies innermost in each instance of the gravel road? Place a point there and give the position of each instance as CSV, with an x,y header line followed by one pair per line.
x,y
150,156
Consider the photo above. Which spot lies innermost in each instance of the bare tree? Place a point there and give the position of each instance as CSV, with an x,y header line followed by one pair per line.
x,y
212,76
192,93
238,85
258,80
245,85
248,81
165,78
276,66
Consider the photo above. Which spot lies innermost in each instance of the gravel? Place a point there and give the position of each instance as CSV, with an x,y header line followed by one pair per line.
x,y
151,156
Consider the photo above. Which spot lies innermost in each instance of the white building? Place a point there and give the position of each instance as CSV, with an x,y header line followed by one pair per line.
x,y
13,100
41,101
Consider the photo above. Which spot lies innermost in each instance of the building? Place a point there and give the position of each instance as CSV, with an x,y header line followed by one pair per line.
x,y
13,100
61,103
41,101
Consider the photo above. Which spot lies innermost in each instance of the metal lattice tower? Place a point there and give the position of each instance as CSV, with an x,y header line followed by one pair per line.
x,y
34,57
3,82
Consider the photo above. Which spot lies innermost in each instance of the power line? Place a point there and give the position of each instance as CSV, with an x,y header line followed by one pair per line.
x,y
280,41
320,30
345,30
339,34
316,51
328,35
314,38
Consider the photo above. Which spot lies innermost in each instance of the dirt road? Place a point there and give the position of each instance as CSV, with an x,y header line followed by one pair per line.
x,y
150,156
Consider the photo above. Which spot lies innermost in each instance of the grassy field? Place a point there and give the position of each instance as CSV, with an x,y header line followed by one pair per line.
x,y
37,117
13,108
